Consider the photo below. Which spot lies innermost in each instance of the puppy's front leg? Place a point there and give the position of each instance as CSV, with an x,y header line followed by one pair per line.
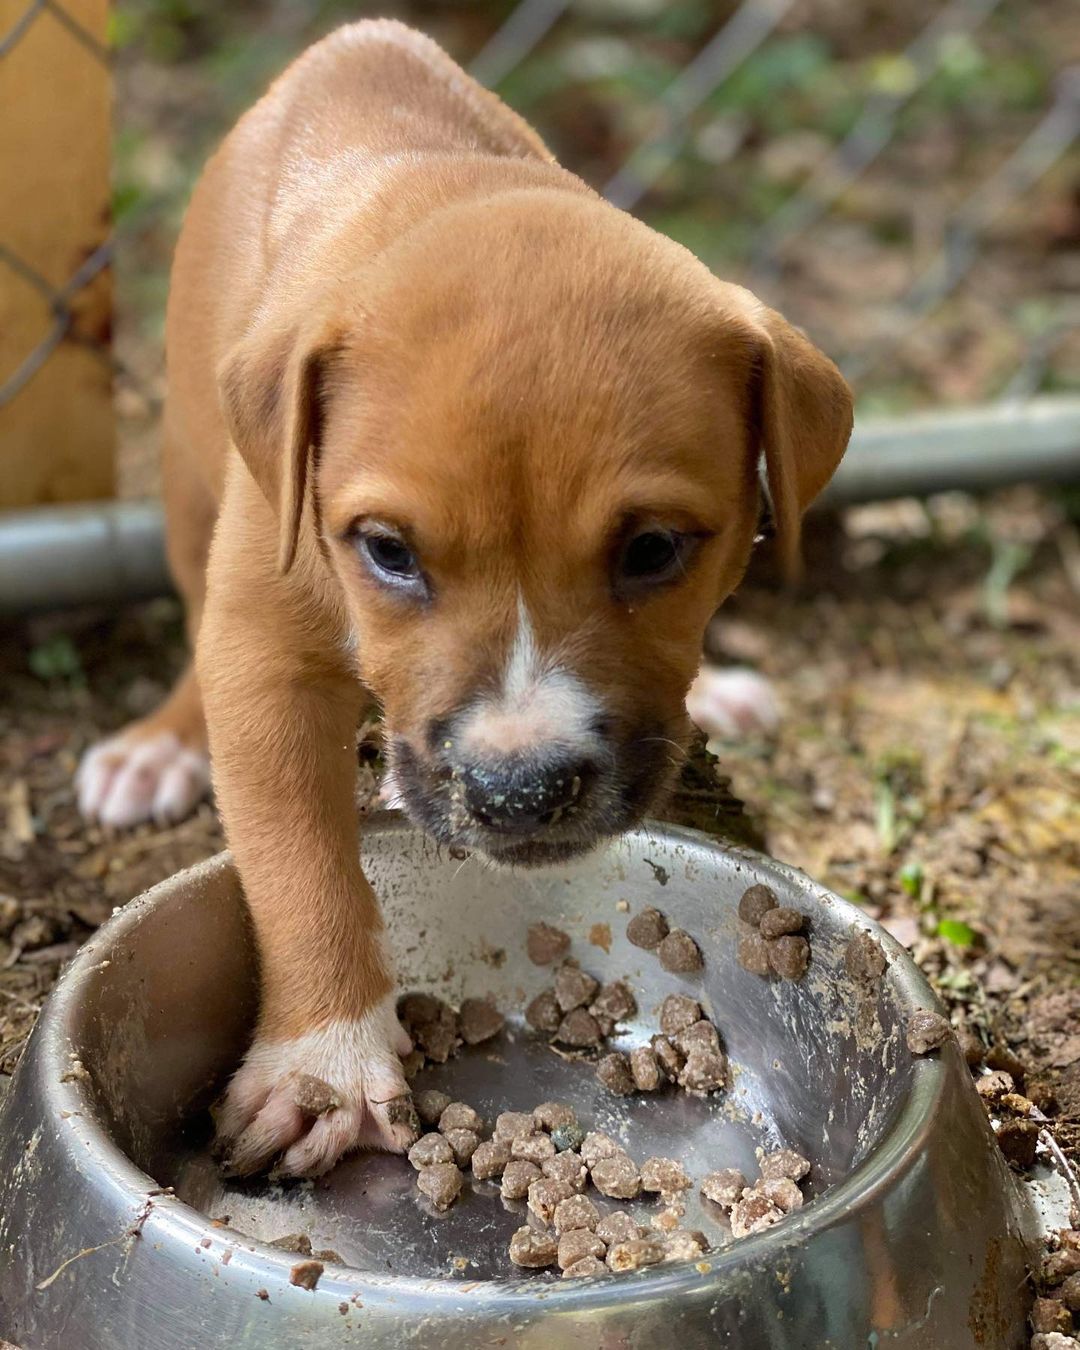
x,y
282,711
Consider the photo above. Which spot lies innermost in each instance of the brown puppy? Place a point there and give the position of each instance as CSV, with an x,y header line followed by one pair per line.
x,y
478,447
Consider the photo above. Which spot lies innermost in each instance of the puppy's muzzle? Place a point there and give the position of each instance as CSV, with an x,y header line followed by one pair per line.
x,y
520,794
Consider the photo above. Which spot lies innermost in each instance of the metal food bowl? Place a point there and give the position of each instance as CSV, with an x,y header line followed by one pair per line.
x,y
914,1233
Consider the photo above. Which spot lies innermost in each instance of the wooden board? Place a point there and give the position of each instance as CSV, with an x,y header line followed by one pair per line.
x,y
57,431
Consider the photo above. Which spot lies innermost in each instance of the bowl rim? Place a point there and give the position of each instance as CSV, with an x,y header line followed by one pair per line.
x,y
898,1150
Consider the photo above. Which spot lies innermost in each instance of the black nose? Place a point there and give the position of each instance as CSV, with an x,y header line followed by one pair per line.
x,y
519,794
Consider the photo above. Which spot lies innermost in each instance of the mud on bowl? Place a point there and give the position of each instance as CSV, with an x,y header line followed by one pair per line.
x,y
914,1236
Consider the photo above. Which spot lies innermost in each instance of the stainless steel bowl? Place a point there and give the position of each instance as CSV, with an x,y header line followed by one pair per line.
x,y
915,1236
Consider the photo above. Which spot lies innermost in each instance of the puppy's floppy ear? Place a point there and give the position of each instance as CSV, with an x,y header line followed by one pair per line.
x,y
272,388
803,418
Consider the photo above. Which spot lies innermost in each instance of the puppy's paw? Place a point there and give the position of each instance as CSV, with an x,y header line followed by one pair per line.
x,y
732,704
139,776
267,1110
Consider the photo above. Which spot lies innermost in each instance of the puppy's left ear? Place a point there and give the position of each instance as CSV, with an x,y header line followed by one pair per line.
x,y
272,387
803,414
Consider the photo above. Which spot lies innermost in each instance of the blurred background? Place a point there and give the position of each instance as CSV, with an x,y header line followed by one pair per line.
x,y
903,180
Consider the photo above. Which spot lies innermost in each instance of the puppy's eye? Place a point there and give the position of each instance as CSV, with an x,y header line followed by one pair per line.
x,y
390,554
651,556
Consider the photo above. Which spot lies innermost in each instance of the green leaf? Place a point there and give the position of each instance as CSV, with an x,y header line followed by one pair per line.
x,y
911,879
955,931
55,659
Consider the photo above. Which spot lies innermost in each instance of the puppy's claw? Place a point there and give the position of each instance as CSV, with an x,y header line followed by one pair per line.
x,y
137,776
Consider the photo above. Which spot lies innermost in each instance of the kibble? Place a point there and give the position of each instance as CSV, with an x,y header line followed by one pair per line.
x,y
567,1167
430,1105
679,953
441,1183
645,1069
782,1191
459,1116
755,904
677,1012
668,1056
305,1274
615,1002
584,1269
927,1031
701,1036
617,1226
545,1194
509,1124
647,929
703,1072
574,988
401,1111
1053,1340
545,944
544,1013
314,1096
1017,1140
723,1187
430,1149
664,1175
550,1115
638,1252
1050,1314
667,1220
784,1162
789,956
463,1142
576,1244
489,1158
614,1072
864,960
685,1244
753,1213
994,1085
479,1020
617,1177
596,1145
780,921
517,1177
753,955
579,1029
533,1147
533,1249
575,1211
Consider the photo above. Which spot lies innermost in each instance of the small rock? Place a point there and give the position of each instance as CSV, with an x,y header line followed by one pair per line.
x,y
617,1226
596,1146
574,988
579,1028
550,1115
778,922
864,960
509,1124
1017,1140
615,1002
463,1142
784,1162
543,1013
1050,1314
441,1183
703,1072
679,953
617,1177
567,1137
664,1175
533,1249
668,1056
753,955
533,1147
545,1194
459,1116
575,1211
723,1187
677,1012
638,1252
578,1243
584,1269
314,1096
430,1149
545,944
614,1072
645,1069
789,956
479,1020
647,929
490,1158
517,1177
755,903
566,1166
305,1274
753,1213
927,1031
430,1105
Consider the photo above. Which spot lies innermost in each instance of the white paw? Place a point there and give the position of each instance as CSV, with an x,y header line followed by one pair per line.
x,y
131,778
390,791
359,1060
732,704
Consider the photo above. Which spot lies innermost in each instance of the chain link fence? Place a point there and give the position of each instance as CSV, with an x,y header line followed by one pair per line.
x,y
1051,135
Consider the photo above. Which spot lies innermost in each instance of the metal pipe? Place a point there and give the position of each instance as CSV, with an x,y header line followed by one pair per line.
x,y
113,552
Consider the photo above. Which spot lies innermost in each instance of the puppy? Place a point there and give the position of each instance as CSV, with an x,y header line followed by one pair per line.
x,y
445,433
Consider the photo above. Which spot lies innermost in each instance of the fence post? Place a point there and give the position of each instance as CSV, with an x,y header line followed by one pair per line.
x,y
56,414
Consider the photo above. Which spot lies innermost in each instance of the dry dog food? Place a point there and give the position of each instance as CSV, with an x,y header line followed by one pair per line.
x,y
545,944
927,1031
441,1183
647,929
533,1249
490,1158
664,1175
755,904
679,953
545,1194
578,1244
313,1096
479,1020
614,1072
772,945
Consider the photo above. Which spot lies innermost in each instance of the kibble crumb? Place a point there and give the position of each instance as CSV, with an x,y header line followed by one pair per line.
x,y
789,956
441,1183
864,960
703,1072
617,1226
545,944
544,1013
753,1213
617,1177
305,1274
638,1252
782,1191
677,1012
509,1124
463,1142
575,1211
664,1175
647,929
579,1029
533,1147
584,1269
645,1069
517,1177
550,1115
459,1116
568,1167
668,1056
430,1149
685,1244
479,1020
667,1220
614,1072
753,955
533,1249
545,1194
574,988
576,1244
994,1085
314,1096
701,1036
615,1002
723,1187
490,1158
784,1162
755,903
927,1031
679,953
401,1110
780,921
430,1105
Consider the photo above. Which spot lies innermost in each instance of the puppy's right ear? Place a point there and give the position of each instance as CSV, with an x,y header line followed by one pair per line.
x,y
272,387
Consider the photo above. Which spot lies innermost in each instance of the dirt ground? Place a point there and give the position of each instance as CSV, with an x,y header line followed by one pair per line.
x,y
927,765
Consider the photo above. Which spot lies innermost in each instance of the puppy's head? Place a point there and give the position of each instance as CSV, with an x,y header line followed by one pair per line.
x,y
530,436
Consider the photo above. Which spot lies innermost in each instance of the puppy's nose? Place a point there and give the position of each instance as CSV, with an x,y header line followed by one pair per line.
x,y
521,793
